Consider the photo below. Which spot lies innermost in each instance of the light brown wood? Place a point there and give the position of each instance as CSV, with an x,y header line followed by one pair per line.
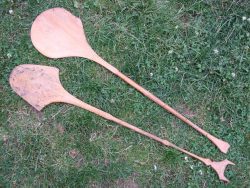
x,y
56,33
40,86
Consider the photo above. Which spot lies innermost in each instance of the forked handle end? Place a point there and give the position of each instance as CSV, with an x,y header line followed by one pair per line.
x,y
220,168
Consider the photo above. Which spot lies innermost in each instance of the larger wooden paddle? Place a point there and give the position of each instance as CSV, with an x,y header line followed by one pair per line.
x,y
41,86
56,33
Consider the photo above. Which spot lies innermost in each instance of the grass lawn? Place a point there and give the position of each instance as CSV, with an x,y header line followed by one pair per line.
x,y
194,55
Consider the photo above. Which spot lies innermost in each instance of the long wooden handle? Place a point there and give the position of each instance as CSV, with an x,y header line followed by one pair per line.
x,y
222,145
76,102
219,167
109,117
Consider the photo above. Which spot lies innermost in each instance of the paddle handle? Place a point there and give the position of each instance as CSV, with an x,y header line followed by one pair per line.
x,y
74,101
83,105
222,145
219,167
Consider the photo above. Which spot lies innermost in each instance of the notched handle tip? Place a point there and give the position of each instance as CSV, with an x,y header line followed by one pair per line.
x,y
220,167
224,147
220,144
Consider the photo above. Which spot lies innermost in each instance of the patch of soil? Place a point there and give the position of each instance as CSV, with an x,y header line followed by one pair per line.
x,y
120,183
73,153
185,110
1,88
39,114
77,156
60,128
128,183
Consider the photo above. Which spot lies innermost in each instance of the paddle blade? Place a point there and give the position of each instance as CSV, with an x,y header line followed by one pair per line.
x,y
36,84
56,33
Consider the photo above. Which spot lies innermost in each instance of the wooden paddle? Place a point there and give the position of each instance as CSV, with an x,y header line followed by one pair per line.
x,y
41,86
56,33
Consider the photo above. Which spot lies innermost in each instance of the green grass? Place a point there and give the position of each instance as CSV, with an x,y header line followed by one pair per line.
x,y
169,47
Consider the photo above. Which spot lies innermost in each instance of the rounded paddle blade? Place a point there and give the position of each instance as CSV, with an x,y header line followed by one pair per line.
x,y
56,33
36,84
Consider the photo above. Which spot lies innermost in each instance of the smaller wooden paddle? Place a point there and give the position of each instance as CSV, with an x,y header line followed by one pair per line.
x,y
40,86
